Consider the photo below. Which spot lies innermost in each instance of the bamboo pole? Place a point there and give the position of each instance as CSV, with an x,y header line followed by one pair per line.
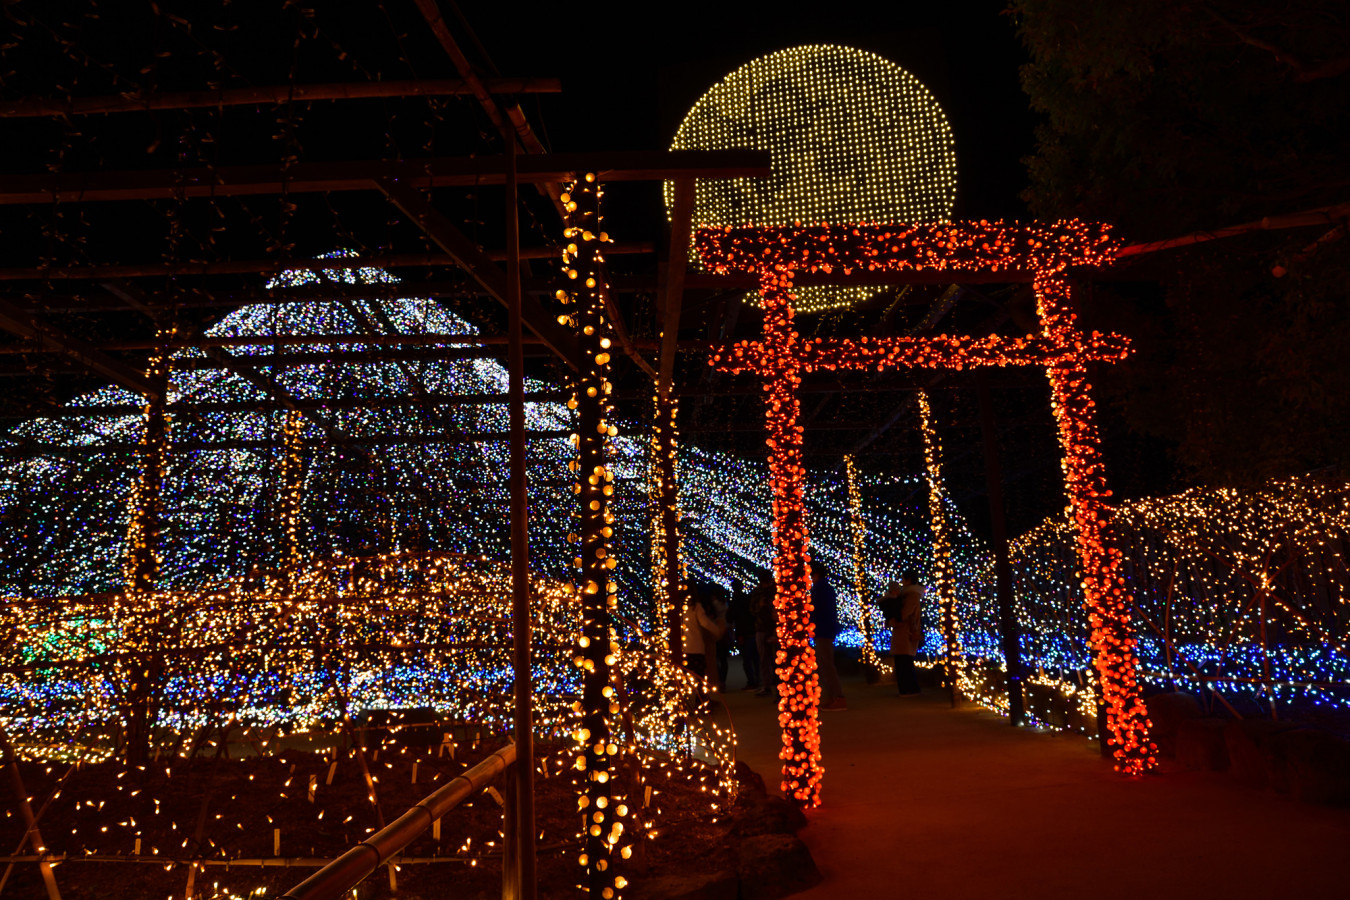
x,y
523,836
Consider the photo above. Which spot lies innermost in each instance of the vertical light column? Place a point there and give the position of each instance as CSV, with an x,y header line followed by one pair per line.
x,y
667,561
859,531
606,833
943,583
1104,592
293,485
137,614
799,686
141,560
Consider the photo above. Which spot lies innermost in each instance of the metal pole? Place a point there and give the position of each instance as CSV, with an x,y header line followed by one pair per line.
x,y
520,548
1007,614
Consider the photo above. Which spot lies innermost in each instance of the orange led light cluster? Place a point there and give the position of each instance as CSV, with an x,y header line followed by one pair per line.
x,y
781,358
799,687
956,247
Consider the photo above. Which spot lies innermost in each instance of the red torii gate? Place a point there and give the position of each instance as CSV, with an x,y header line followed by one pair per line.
x,y
1046,251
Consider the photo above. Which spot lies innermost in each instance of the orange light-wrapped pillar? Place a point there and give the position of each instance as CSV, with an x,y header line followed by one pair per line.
x,y
1104,593
799,688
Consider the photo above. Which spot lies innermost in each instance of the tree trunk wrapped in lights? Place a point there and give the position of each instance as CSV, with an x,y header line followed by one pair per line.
x,y
607,834
667,556
139,616
943,584
1044,250
858,529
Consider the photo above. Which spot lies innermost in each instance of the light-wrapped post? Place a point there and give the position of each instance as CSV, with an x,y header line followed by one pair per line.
x,y
799,686
667,555
1104,593
858,528
140,613
601,800
292,485
943,583
521,883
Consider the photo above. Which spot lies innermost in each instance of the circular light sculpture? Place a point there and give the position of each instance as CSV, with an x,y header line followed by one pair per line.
x,y
852,138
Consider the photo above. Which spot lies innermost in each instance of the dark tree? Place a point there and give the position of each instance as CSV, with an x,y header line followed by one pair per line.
x,y
1170,118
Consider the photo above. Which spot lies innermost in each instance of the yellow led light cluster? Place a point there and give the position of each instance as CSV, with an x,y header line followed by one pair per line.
x,y
293,483
858,532
663,500
297,655
853,138
608,818
1239,591
942,545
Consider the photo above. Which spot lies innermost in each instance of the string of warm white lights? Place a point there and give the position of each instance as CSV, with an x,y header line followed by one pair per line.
x,y
280,657
943,584
666,535
292,480
603,800
1237,591
858,531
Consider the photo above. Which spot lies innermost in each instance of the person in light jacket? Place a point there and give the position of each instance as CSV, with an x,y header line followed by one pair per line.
x,y
903,612
702,628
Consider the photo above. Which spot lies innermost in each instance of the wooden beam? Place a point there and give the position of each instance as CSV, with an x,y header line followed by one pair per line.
x,y
450,239
320,177
436,21
626,341
293,340
33,448
274,266
18,321
275,95
1322,216
118,410
346,358
749,282
308,340
672,294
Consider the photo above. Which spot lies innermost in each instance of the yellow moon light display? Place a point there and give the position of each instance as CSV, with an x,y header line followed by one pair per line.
x,y
852,138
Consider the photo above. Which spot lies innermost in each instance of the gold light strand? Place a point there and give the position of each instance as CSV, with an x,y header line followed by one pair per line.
x,y
667,573
943,583
141,562
859,529
602,802
292,484
137,616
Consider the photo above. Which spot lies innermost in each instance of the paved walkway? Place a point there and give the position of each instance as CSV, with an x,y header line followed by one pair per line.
x,y
924,801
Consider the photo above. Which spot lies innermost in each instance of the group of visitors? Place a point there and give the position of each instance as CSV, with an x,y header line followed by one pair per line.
x,y
714,623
